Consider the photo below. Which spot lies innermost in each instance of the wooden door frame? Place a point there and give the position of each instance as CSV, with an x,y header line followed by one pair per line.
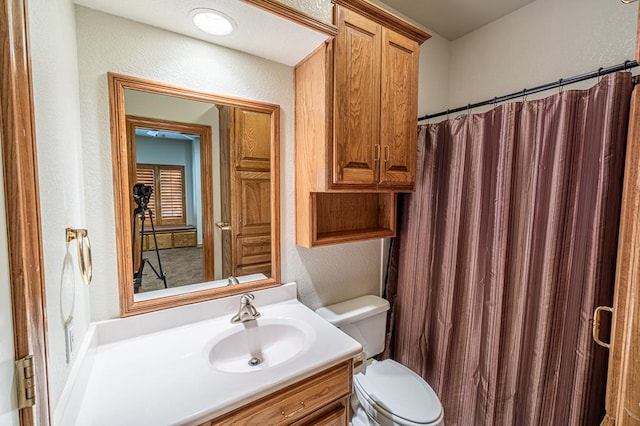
x,y
626,317
206,174
22,200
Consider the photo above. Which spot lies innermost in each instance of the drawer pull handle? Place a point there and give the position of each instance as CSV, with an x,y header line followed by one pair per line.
x,y
293,413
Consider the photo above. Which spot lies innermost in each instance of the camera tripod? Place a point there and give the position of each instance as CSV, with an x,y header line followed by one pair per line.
x,y
141,213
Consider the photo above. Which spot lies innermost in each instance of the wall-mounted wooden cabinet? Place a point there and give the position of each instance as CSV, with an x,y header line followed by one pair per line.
x,y
356,126
375,105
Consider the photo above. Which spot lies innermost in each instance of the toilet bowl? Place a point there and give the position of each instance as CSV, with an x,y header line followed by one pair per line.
x,y
386,393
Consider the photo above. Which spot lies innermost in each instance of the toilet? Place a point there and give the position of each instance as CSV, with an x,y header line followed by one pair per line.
x,y
386,392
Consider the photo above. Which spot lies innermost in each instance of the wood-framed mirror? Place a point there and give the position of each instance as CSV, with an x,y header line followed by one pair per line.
x,y
204,169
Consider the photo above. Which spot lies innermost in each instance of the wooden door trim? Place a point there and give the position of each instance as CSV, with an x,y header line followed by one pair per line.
x,y
22,200
206,173
626,317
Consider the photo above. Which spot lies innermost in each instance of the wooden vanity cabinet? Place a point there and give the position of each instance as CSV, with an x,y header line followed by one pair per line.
x,y
321,400
356,126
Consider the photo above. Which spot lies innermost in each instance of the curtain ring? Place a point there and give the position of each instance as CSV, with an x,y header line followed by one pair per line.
x,y
84,252
468,110
600,75
495,101
447,113
626,64
524,95
560,86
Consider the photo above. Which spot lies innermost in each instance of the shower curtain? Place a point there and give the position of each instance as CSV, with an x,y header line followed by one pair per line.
x,y
504,250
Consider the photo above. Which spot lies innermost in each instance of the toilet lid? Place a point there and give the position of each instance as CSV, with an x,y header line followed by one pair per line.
x,y
394,391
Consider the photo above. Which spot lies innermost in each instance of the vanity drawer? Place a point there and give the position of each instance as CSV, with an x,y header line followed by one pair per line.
x,y
297,401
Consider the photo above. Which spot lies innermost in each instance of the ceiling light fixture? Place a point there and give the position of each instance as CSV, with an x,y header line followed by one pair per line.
x,y
213,22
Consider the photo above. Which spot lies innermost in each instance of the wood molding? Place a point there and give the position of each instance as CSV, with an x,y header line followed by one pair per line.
x,y
623,390
26,266
121,169
287,12
386,18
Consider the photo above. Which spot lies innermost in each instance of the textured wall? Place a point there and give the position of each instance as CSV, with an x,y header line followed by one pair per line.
x,y
433,81
324,275
59,151
539,43
319,9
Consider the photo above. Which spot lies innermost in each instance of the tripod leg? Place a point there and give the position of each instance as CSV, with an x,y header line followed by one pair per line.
x,y
162,275
137,275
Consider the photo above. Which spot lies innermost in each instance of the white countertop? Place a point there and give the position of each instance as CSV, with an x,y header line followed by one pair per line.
x,y
164,376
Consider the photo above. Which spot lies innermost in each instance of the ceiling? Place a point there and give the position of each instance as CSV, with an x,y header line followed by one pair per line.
x,y
258,33
454,18
265,35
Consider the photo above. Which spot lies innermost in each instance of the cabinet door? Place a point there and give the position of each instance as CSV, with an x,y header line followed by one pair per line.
x,y
245,185
253,140
356,100
399,111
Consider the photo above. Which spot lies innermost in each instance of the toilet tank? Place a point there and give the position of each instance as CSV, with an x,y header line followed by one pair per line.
x,y
363,318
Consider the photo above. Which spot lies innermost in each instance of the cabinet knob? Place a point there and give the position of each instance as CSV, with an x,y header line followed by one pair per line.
x,y
293,413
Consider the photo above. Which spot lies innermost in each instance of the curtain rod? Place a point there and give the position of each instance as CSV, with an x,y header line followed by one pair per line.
x,y
560,83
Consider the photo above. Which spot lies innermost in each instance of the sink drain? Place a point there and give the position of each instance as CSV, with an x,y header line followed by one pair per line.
x,y
254,361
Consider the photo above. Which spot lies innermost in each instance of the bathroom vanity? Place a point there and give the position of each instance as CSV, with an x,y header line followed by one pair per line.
x,y
191,366
319,400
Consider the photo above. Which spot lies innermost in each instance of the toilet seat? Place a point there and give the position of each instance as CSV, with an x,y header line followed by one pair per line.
x,y
391,393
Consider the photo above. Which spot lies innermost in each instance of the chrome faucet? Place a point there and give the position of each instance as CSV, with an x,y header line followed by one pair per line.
x,y
247,311
232,280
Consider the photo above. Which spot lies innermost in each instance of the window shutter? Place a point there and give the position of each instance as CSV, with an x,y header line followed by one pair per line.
x,y
146,175
172,195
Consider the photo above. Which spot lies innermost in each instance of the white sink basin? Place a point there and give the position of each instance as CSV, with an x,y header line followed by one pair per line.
x,y
259,345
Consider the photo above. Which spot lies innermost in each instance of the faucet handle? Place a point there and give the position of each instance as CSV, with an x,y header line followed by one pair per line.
x,y
247,298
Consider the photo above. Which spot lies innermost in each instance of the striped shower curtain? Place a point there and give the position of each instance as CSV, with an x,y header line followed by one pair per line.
x,y
504,250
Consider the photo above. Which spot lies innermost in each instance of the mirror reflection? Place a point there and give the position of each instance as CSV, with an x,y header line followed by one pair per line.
x,y
199,176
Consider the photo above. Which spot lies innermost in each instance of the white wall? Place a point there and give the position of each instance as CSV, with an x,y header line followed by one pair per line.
x,y
8,403
539,43
59,151
319,9
325,275
151,105
433,81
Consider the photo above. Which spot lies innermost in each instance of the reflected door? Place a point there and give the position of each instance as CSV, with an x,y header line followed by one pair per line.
x,y
245,191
